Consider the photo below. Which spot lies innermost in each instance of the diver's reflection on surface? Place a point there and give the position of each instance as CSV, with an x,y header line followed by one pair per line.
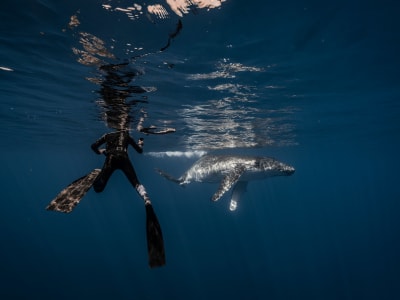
x,y
116,95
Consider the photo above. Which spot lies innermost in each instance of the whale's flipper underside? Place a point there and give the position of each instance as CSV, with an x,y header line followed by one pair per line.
x,y
237,192
227,182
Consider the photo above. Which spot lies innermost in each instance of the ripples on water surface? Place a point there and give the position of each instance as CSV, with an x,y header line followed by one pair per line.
x,y
204,84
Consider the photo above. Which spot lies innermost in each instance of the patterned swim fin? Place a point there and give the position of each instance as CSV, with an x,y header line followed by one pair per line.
x,y
69,197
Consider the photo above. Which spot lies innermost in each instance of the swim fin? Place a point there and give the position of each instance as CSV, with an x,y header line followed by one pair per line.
x,y
155,242
69,197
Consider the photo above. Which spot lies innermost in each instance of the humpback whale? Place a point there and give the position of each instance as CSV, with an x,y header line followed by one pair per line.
x,y
231,171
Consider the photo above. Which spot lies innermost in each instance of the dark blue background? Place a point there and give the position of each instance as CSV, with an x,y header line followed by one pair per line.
x,y
330,231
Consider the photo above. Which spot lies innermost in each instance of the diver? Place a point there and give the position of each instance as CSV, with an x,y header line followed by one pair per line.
x,y
116,152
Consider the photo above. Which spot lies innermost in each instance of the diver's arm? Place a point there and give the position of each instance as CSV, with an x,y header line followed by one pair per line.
x,y
95,146
138,147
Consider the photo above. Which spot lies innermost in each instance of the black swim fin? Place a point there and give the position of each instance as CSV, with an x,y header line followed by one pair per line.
x,y
69,197
155,242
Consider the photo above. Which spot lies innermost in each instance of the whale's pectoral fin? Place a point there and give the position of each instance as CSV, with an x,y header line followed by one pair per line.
x,y
228,181
237,192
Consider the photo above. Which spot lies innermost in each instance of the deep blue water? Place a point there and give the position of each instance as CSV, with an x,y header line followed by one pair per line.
x,y
314,84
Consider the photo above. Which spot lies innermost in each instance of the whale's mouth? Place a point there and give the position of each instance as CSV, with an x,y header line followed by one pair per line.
x,y
289,170
286,170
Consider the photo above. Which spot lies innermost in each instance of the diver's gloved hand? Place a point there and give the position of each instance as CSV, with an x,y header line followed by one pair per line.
x,y
141,142
102,151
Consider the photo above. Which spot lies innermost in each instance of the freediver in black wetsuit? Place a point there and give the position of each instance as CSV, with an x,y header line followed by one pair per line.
x,y
116,153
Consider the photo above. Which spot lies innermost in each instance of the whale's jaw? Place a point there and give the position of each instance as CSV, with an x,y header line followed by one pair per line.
x,y
288,170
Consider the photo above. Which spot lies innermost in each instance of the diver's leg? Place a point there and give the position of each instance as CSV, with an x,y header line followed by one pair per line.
x,y
130,173
102,179
155,242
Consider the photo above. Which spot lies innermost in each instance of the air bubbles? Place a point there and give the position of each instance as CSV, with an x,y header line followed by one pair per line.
x,y
6,69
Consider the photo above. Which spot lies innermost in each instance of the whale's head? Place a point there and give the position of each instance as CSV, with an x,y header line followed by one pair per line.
x,y
275,168
286,170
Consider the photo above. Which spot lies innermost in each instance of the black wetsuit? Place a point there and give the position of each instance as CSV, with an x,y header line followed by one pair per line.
x,y
117,158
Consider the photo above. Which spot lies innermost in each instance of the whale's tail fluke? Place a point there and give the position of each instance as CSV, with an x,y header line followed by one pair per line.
x,y
169,177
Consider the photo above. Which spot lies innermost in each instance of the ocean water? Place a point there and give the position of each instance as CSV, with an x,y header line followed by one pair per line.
x,y
313,84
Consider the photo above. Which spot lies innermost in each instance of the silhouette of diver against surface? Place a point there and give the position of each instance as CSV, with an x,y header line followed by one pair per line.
x,y
115,91
116,105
